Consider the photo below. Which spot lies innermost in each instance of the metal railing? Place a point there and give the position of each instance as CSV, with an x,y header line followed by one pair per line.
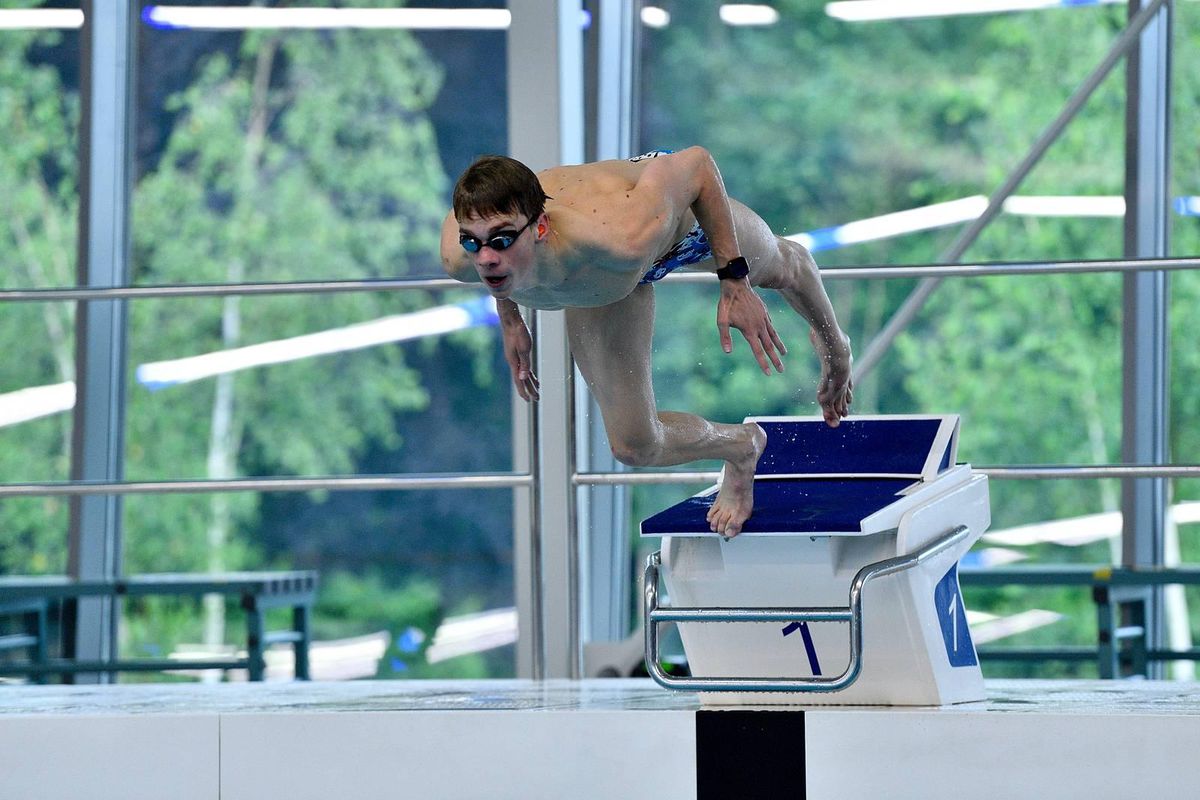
x,y
1120,598
865,272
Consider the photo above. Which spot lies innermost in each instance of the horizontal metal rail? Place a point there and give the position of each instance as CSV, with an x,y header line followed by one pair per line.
x,y
653,616
1025,655
231,289
441,284
1051,472
716,614
508,480
642,478
979,270
364,483
74,667
1100,471
1080,575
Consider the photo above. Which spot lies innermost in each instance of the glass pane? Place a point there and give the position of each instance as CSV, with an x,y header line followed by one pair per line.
x,y
275,155
39,114
817,122
1183,542
927,115
1184,237
412,583
1182,548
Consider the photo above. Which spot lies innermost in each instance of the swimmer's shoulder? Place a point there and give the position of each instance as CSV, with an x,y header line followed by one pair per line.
x,y
572,184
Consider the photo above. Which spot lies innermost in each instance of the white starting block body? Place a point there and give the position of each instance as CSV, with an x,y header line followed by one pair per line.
x,y
851,557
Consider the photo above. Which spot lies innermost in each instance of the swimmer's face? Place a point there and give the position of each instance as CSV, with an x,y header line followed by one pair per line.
x,y
501,247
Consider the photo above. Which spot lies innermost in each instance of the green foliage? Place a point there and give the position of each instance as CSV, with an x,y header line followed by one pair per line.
x,y
38,208
260,182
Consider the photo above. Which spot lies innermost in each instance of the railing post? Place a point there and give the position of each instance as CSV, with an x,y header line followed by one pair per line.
x,y
545,97
97,451
1145,336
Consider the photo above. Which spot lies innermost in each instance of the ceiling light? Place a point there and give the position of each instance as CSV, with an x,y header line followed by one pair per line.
x,y
40,18
870,10
248,17
655,17
747,14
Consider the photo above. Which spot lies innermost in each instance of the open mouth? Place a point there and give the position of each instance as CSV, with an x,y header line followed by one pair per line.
x,y
495,282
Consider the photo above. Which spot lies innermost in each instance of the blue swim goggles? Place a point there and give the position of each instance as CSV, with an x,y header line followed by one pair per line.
x,y
500,240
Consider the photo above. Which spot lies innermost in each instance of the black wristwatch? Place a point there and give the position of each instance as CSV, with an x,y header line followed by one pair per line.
x,y
735,269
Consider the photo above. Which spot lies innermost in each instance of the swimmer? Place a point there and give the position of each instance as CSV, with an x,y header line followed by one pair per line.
x,y
592,239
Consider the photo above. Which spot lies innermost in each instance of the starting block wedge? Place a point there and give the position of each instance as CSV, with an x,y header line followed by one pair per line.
x,y
843,586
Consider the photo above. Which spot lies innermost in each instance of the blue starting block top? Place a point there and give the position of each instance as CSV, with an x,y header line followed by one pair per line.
x,y
813,479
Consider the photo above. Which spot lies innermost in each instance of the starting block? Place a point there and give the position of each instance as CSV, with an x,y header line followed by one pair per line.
x,y
843,586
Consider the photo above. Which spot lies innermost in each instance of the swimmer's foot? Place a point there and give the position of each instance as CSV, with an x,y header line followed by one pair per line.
x,y
735,500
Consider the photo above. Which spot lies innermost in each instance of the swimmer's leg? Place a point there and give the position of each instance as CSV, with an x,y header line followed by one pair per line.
x,y
611,345
788,268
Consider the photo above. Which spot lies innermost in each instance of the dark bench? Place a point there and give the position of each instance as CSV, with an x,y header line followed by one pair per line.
x,y
1121,595
29,598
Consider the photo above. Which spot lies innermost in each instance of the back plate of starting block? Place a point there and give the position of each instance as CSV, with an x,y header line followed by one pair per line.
x,y
817,480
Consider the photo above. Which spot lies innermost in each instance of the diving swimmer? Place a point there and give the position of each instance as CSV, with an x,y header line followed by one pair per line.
x,y
592,239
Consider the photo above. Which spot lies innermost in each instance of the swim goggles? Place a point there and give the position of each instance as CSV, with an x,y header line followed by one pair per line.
x,y
500,240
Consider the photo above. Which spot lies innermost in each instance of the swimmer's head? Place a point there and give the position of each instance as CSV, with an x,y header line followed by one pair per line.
x,y
496,201
498,185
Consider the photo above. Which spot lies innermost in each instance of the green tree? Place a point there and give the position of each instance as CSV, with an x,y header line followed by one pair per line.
x,y
308,155
39,206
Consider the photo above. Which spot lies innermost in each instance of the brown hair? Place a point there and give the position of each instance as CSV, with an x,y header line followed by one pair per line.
x,y
498,185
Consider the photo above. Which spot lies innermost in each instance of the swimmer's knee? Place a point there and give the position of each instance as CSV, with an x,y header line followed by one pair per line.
x,y
637,451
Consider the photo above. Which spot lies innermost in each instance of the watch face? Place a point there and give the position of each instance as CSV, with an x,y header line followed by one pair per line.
x,y
736,268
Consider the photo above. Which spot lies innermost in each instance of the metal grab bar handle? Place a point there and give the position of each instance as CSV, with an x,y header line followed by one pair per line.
x,y
852,614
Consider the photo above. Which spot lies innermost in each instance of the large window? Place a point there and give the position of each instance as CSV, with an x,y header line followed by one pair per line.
x,y
829,126
278,149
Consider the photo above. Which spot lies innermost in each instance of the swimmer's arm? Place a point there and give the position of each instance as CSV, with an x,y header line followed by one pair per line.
x,y
518,349
455,260
671,185
690,179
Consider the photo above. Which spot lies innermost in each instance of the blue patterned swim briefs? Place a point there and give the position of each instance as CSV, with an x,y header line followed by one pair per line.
x,y
691,249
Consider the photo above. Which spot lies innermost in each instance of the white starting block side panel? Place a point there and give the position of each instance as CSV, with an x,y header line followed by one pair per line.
x,y
917,648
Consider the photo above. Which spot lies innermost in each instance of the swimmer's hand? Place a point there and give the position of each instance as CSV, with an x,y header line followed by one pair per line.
x,y
835,390
518,350
740,307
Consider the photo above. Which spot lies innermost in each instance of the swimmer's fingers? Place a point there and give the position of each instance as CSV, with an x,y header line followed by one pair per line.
x,y
778,342
774,345
763,349
741,307
518,352
528,385
765,343
726,339
835,400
